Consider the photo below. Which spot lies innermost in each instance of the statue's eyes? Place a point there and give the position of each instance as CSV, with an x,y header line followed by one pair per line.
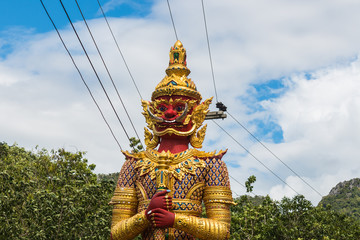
x,y
162,108
179,108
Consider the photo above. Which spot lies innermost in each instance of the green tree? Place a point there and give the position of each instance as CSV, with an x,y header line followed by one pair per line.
x,y
263,218
136,145
51,196
249,182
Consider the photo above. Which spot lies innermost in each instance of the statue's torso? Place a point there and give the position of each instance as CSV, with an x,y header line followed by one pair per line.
x,y
190,173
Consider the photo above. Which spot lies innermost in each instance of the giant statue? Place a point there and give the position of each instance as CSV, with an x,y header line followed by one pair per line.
x,y
161,191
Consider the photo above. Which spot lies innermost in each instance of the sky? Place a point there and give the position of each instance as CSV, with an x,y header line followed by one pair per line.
x,y
288,72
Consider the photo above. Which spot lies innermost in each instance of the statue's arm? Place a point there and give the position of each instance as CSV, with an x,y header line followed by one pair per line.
x,y
217,224
217,199
126,222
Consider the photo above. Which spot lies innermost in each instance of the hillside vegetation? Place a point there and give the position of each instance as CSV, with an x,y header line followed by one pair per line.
x,y
56,195
344,198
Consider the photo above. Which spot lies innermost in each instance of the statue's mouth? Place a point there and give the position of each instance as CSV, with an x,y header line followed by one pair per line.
x,y
178,119
173,128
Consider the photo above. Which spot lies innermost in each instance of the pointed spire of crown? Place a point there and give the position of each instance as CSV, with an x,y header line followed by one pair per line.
x,y
176,82
177,63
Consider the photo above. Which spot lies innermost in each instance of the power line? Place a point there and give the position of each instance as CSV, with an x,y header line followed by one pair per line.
x,y
211,65
208,43
255,157
92,66
172,20
107,70
117,45
273,154
207,37
81,76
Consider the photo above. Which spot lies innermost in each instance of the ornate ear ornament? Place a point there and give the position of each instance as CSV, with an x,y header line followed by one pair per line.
x,y
197,138
146,105
198,117
151,140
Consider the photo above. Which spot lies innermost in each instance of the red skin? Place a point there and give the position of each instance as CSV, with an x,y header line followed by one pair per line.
x,y
158,213
173,143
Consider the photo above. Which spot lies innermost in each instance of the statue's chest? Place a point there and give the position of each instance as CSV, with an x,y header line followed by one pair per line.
x,y
184,175
179,188
187,193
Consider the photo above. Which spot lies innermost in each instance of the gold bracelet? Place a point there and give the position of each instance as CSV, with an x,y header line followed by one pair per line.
x,y
202,228
217,201
218,194
129,228
124,204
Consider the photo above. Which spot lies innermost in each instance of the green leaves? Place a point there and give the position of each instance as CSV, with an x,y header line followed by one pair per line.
x,y
344,198
135,144
51,196
263,218
249,183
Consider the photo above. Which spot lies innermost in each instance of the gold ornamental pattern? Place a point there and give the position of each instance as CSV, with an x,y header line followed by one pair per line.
x,y
179,164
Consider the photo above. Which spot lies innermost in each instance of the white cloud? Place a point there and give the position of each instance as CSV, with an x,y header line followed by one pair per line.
x,y
319,120
43,102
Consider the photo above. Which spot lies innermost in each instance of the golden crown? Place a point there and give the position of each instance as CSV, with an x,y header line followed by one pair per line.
x,y
176,82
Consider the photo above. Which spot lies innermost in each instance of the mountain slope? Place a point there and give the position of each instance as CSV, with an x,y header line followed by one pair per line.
x,y
345,198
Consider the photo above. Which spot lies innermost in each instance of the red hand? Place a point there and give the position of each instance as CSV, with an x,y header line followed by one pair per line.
x,y
161,218
159,200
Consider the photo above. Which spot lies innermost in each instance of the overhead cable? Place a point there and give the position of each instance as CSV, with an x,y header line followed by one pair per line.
x,y
208,43
107,70
117,45
81,76
92,66
255,157
302,179
172,20
207,37
214,85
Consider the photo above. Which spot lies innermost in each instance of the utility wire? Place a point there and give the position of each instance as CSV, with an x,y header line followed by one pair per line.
x,y
92,66
207,37
255,157
81,76
213,78
208,43
107,70
172,20
273,153
212,71
117,45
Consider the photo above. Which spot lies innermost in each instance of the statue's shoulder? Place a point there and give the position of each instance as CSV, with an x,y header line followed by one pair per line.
x,y
205,155
133,156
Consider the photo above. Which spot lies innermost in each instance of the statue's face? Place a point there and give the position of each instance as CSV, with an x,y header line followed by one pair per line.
x,y
173,115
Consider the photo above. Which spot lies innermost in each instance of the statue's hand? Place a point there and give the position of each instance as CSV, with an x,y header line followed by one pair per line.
x,y
161,218
159,200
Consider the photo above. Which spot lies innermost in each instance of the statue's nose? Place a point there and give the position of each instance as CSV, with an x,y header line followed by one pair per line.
x,y
170,113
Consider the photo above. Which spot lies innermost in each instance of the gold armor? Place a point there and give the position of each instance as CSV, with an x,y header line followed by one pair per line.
x,y
194,177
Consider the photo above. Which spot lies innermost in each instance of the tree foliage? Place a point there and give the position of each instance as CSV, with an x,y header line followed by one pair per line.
x,y
136,145
51,196
296,218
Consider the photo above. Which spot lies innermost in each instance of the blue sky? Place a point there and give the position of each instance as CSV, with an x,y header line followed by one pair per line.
x,y
290,75
30,14
23,17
